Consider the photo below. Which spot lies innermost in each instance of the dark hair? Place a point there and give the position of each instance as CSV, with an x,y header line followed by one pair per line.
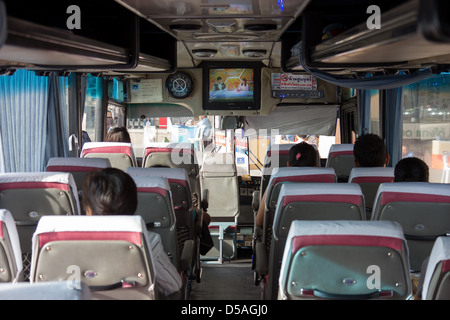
x,y
118,134
109,191
411,170
302,155
370,151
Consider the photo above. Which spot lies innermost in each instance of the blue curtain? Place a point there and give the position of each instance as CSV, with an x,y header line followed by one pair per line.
x,y
23,120
57,126
393,125
363,97
33,121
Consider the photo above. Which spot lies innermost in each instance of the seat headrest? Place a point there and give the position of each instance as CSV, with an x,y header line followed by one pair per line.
x,y
345,148
413,191
108,147
32,180
303,172
77,164
151,182
171,174
373,173
114,223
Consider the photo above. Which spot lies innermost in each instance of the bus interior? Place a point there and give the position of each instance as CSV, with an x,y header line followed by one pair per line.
x,y
263,75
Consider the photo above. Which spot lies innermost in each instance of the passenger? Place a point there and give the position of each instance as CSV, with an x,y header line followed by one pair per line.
x,y
370,151
118,134
411,170
204,121
111,191
300,155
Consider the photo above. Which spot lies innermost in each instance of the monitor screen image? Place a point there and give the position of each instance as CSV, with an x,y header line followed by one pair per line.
x,y
231,84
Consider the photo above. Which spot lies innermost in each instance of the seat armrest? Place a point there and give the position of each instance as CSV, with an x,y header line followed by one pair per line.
x,y
261,259
255,200
186,255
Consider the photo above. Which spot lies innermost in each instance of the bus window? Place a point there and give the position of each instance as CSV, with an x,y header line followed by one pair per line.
x,y
375,112
93,107
426,122
145,129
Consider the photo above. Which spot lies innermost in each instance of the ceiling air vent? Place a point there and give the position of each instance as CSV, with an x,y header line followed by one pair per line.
x,y
260,25
204,53
254,53
185,25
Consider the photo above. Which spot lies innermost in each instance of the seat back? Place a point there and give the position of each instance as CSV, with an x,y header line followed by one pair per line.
x,y
284,175
277,156
155,206
174,155
421,208
221,183
120,154
181,197
10,253
78,167
369,179
312,201
110,254
345,260
29,196
340,157
436,283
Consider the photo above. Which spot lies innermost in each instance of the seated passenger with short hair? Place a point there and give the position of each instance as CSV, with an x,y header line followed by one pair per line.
x,y
370,151
300,155
411,170
111,191
118,134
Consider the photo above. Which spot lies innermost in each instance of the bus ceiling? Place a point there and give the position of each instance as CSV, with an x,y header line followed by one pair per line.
x,y
134,38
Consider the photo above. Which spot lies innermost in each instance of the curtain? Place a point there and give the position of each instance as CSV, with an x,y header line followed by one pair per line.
x,y
57,127
363,103
23,121
302,120
394,124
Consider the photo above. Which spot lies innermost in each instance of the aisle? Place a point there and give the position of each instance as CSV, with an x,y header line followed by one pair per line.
x,y
228,281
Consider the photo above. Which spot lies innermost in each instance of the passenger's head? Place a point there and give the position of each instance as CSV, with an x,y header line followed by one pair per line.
x,y
109,191
302,155
118,134
370,151
411,170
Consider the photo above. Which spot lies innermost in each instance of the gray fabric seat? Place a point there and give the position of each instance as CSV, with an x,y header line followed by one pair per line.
x,y
120,154
345,260
110,254
307,201
421,208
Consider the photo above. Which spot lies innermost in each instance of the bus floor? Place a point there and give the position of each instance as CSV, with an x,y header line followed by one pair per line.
x,y
231,280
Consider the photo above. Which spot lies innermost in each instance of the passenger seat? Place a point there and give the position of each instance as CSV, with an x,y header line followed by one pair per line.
x,y
10,253
306,201
345,260
421,208
30,196
436,284
219,181
369,179
341,158
78,167
120,154
110,254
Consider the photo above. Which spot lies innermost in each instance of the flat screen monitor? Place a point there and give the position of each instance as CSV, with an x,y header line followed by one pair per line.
x,y
231,86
